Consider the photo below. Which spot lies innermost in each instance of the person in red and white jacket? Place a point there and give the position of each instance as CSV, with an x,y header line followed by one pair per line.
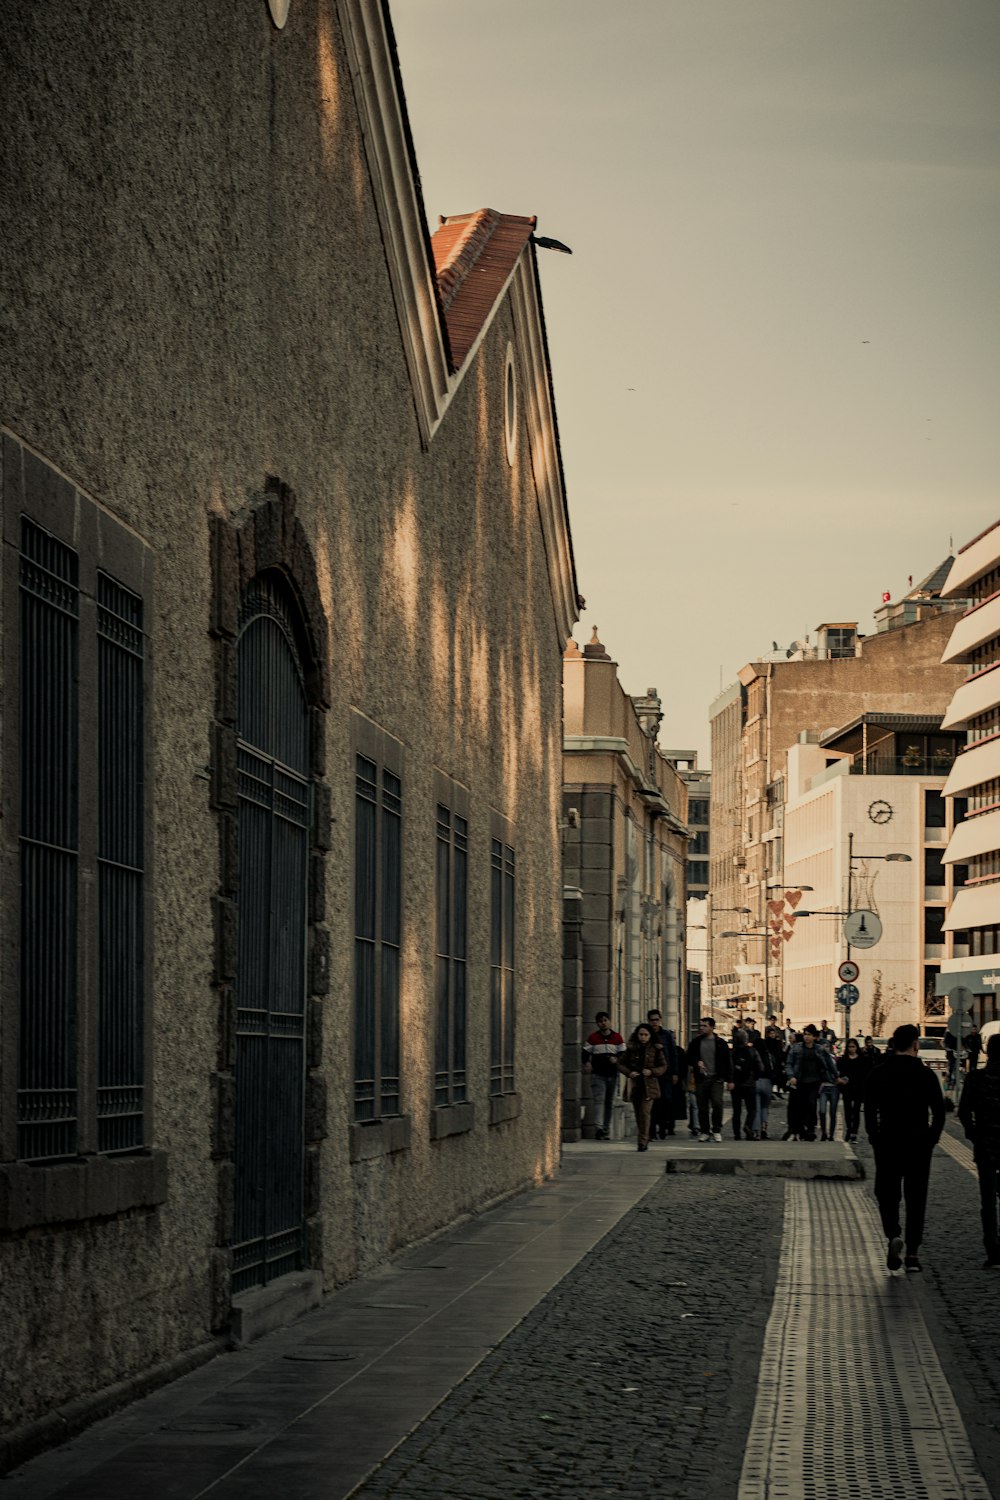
x,y
601,1052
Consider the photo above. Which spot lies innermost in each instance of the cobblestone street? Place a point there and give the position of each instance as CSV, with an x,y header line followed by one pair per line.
x,y
632,1372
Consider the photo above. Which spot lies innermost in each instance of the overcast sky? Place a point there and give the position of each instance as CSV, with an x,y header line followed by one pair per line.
x,y
776,346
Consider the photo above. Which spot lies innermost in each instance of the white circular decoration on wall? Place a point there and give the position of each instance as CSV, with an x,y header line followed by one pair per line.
x,y
279,11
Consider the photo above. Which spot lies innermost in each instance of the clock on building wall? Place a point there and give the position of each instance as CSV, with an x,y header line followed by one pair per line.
x,y
880,811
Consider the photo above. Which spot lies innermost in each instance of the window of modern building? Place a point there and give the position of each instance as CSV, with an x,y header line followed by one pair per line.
x,y
934,924
934,810
77,726
933,867
698,844
450,926
378,861
698,810
502,996
985,941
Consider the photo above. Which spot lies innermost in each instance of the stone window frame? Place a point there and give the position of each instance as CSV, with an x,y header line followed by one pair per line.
x,y
505,1103
91,1184
452,1116
385,1133
266,535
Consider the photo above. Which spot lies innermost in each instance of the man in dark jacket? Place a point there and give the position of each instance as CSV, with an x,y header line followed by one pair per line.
x,y
979,1112
709,1056
746,1070
664,1115
904,1117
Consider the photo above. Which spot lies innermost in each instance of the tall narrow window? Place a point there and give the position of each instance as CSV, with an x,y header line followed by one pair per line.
x,y
502,1000
47,1094
450,957
377,939
120,867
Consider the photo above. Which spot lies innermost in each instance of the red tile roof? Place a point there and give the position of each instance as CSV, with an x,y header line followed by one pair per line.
x,y
474,255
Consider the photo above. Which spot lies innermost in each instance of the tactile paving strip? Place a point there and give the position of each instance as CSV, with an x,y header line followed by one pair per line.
x,y
959,1152
852,1403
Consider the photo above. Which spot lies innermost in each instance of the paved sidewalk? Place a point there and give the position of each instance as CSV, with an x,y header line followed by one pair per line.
x,y
602,1335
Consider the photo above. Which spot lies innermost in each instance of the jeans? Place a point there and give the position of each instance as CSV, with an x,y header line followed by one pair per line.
x,y
852,1113
764,1091
902,1170
710,1092
829,1098
806,1095
744,1096
989,1187
603,1088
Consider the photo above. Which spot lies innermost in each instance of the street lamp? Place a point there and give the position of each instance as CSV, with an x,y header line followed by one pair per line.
x,y
895,857
765,933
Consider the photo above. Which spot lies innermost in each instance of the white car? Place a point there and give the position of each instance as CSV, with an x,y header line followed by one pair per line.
x,y
931,1051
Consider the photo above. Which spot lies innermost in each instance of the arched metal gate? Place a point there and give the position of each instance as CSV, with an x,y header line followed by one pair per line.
x,y
274,807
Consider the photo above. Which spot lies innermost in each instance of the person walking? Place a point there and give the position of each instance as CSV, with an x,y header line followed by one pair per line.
x,y
772,1073
643,1064
710,1058
855,1068
829,1098
979,1112
826,1036
904,1117
601,1051
746,1071
664,1117
973,1048
808,1067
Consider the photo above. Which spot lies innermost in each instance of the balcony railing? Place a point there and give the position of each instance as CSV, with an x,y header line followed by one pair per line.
x,y
906,764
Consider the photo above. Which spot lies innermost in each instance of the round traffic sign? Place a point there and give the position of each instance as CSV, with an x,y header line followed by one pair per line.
x,y
848,994
848,971
862,929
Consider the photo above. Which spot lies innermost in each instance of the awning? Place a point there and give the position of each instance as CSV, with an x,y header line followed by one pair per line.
x,y
974,766
974,836
971,630
974,906
975,696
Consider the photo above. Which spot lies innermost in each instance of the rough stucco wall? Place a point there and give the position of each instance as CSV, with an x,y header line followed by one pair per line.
x,y
195,296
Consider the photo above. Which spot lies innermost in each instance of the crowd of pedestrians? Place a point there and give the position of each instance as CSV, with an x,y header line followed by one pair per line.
x,y
898,1096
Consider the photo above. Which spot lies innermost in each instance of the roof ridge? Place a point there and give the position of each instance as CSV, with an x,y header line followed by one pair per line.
x,y
468,247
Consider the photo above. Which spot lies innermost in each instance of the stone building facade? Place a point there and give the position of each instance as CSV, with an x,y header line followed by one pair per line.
x,y
775,703
287,583
624,864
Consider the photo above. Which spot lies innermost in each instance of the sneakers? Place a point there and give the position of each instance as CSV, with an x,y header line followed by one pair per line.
x,y
912,1263
894,1258
716,1136
704,1137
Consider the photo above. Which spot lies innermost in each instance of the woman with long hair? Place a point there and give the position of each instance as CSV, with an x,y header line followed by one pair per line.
x,y
644,1064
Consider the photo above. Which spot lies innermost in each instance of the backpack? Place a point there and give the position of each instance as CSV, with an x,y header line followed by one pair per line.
x,y
743,1070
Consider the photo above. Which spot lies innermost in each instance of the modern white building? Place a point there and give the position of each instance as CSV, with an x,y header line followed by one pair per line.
x,y
974,782
872,788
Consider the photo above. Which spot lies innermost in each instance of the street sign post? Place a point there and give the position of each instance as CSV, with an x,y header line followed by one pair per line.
x,y
848,971
959,1024
848,995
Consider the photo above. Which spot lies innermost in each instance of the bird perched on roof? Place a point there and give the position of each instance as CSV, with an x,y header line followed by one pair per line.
x,y
546,244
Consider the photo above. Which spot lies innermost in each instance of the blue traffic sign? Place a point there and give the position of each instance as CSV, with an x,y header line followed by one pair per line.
x,y
848,994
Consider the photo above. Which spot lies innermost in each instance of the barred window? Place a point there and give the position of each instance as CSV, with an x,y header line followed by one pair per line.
x,y
82,963
378,852
502,997
450,955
